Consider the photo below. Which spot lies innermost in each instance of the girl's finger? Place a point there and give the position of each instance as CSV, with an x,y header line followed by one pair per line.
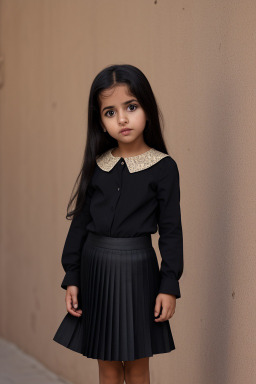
x,y
164,313
70,308
159,314
74,313
169,314
163,316
74,301
157,308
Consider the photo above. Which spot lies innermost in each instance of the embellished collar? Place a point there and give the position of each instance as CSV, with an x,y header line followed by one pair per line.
x,y
107,161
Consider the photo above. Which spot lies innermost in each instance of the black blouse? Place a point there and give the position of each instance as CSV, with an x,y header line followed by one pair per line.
x,y
127,197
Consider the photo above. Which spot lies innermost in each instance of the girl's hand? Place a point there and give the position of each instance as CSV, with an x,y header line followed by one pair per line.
x,y
71,300
168,304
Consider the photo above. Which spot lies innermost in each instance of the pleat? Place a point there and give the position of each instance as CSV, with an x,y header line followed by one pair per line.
x,y
94,307
118,292
129,306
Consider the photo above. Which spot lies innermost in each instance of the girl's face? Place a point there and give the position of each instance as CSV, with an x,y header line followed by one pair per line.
x,y
119,109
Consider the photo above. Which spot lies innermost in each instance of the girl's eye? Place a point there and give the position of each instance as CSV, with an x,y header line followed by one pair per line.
x,y
106,114
134,107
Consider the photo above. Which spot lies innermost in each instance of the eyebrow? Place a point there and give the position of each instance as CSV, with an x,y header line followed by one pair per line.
x,y
126,102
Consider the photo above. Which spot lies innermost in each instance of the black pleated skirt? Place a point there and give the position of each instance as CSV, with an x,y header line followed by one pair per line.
x,y
119,284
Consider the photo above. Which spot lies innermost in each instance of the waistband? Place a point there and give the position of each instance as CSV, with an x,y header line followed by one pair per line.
x,y
138,242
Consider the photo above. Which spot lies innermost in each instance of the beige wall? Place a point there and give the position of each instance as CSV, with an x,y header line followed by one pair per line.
x,y
200,59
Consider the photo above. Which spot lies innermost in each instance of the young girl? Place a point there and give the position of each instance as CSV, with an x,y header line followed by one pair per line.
x,y
117,299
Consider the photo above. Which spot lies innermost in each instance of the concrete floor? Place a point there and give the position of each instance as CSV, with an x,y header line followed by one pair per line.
x,y
16,367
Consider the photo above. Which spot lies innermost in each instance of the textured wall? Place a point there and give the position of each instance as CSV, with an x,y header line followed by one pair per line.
x,y
199,57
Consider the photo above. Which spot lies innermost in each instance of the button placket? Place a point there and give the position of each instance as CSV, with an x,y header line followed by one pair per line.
x,y
118,188
122,163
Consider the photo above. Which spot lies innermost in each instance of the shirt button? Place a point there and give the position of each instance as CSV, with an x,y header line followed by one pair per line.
x,y
118,188
122,163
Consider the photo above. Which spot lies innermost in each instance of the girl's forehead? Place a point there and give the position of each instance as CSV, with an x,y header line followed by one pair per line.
x,y
120,91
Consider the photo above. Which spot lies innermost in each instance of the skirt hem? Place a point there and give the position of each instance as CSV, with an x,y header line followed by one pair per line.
x,y
155,352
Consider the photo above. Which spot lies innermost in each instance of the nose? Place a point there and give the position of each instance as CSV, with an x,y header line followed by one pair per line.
x,y
122,118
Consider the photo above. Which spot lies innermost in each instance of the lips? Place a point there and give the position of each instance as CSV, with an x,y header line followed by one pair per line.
x,y
125,129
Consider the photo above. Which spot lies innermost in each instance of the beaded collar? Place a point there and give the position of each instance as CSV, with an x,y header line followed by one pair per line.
x,y
107,161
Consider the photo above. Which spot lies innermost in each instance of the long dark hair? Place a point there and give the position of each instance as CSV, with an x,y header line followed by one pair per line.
x,y
98,141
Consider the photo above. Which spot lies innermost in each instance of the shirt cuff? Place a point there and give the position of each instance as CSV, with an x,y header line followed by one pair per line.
x,y
170,286
71,278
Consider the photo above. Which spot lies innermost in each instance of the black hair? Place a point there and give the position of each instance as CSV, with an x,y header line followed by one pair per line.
x,y
98,141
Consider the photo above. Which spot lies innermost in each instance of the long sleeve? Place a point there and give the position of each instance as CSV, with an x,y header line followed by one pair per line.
x,y
76,236
170,228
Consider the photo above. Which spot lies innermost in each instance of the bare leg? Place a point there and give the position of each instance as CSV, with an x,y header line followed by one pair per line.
x,y
111,372
137,371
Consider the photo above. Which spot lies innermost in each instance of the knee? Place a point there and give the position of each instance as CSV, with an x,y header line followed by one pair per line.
x,y
136,375
111,375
